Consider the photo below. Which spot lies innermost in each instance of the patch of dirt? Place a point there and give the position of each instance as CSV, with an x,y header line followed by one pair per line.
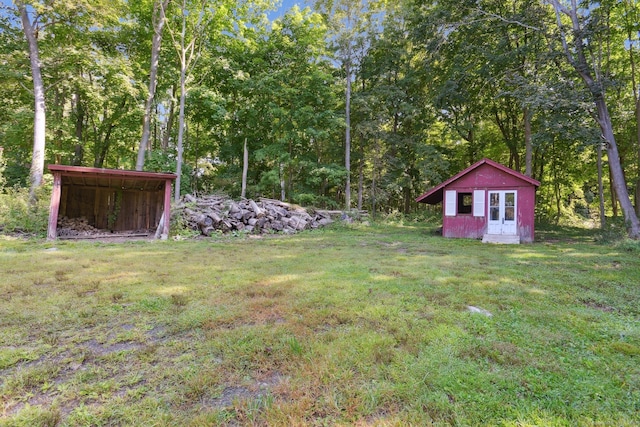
x,y
157,334
598,306
103,350
231,394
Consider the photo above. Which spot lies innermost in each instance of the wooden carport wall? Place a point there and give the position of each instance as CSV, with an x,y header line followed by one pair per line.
x,y
60,171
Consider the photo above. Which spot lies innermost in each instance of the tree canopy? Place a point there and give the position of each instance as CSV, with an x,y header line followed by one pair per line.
x,y
383,99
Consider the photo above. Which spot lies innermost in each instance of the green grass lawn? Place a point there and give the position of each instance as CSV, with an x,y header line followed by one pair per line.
x,y
344,326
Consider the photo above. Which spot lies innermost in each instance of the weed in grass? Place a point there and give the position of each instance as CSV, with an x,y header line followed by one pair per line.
x,y
179,300
625,348
28,379
383,355
11,356
37,416
148,353
117,297
500,353
213,418
84,415
628,245
197,385
87,315
98,390
61,275
87,289
295,346
435,408
248,411
52,339
153,304
27,292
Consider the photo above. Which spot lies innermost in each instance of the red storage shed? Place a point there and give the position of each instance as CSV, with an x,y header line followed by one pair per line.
x,y
487,200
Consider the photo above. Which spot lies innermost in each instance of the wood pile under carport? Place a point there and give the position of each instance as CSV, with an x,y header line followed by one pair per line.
x,y
81,229
75,227
209,214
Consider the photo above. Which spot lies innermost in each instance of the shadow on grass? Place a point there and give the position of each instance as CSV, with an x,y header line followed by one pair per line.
x,y
613,232
552,233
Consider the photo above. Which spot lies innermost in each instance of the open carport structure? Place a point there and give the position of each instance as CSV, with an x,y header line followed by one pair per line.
x,y
116,200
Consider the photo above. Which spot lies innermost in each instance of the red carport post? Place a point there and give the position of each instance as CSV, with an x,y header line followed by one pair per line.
x,y
54,207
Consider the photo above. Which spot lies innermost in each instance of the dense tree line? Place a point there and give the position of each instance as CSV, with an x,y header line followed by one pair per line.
x,y
377,99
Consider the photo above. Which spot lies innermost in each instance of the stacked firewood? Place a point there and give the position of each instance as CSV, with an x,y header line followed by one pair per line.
x,y
75,227
219,213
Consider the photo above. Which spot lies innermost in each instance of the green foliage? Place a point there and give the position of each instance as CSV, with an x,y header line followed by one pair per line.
x,y
18,215
180,229
161,161
434,89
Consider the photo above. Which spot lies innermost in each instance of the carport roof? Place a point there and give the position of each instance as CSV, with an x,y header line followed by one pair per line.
x,y
112,178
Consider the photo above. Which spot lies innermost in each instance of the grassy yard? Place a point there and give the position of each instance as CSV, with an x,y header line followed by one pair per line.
x,y
343,326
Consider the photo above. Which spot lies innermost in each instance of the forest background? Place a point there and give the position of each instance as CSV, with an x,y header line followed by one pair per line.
x,y
340,104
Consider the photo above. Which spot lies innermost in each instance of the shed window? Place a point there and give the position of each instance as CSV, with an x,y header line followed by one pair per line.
x,y
465,203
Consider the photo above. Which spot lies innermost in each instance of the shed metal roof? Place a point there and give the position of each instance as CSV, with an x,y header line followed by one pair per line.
x,y
436,194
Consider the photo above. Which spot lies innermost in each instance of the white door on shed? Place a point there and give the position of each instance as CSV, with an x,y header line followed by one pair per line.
x,y
503,212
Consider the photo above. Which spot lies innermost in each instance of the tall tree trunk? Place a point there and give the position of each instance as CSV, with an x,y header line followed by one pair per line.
x,y
183,96
577,59
637,198
181,125
347,136
636,97
603,220
528,157
245,170
556,187
106,143
373,181
282,183
39,118
472,146
615,166
78,155
407,200
614,198
158,24
361,176
170,120
290,174
630,25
